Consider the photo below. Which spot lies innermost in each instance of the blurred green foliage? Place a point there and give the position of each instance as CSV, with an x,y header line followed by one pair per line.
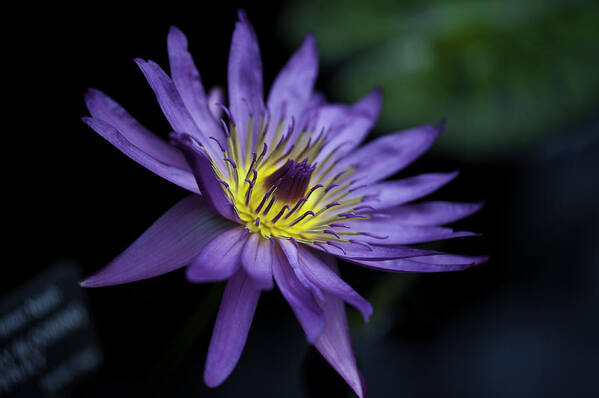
x,y
504,72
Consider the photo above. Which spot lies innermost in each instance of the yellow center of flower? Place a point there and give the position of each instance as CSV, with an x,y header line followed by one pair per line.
x,y
277,192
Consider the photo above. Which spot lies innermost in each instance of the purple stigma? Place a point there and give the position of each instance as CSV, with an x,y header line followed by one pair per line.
x,y
331,187
218,143
292,180
321,246
225,128
339,226
231,161
228,113
331,232
337,246
357,242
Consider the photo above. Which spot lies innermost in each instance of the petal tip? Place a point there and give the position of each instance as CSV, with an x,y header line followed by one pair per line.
x,y
212,379
242,15
442,124
85,283
173,30
140,62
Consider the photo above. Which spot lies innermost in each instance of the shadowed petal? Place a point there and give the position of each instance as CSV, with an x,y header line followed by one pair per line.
x,y
211,187
175,110
335,345
105,108
292,88
389,154
434,263
299,297
323,275
245,77
431,213
256,258
232,325
187,81
181,177
170,243
393,193
219,259
291,251
216,97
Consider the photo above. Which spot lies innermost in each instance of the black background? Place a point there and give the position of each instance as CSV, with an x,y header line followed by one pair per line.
x,y
524,324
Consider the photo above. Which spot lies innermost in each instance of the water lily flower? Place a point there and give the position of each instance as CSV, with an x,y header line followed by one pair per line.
x,y
279,189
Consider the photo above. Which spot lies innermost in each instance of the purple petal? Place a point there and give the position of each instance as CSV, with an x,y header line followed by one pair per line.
x,y
181,177
322,274
292,253
232,325
219,259
245,76
299,297
189,85
170,243
317,99
256,258
216,97
370,252
356,123
389,154
431,213
105,108
292,88
175,110
202,169
398,234
393,193
435,263
335,345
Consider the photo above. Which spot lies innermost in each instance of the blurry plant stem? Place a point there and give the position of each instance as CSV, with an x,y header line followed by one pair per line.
x,y
176,352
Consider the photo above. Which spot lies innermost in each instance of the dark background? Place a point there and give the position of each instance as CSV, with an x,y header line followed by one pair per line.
x,y
524,324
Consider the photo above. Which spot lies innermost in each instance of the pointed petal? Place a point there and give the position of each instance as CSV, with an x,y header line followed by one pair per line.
x,y
390,231
256,258
219,259
232,325
175,110
170,243
299,297
181,177
189,85
393,193
335,345
435,263
369,252
292,89
211,187
291,251
245,77
389,154
355,125
103,107
431,213
324,276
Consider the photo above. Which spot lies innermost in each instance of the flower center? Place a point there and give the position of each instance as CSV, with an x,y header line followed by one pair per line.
x,y
291,180
290,190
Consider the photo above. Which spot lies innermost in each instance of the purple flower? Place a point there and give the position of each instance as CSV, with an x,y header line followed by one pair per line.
x,y
278,190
